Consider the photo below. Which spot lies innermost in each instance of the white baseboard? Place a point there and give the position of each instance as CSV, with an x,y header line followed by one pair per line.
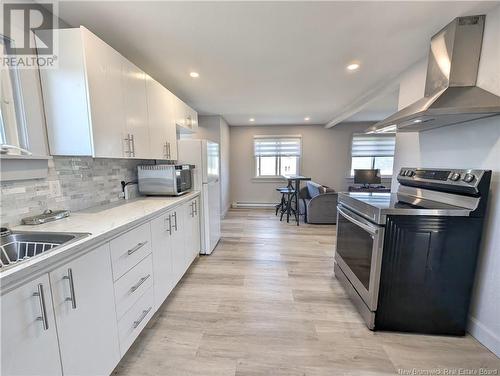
x,y
247,205
484,335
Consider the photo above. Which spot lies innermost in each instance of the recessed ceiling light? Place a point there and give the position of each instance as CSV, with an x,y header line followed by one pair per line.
x,y
353,66
251,119
194,74
307,118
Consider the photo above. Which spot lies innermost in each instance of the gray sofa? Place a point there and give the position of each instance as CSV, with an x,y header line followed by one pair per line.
x,y
318,203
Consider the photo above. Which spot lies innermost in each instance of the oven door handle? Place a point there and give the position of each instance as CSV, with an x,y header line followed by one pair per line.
x,y
351,217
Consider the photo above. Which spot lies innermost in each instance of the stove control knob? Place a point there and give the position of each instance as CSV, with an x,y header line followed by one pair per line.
x,y
455,176
402,173
410,173
468,178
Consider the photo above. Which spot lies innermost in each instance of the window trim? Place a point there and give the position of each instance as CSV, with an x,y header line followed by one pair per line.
x,y
274,178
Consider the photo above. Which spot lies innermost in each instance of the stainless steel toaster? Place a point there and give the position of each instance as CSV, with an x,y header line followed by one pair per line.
x,y
164,180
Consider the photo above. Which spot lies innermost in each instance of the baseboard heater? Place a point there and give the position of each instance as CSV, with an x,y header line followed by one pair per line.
x,y
243,204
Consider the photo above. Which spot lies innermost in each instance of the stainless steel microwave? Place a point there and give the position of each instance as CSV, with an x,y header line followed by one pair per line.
x,y
165,180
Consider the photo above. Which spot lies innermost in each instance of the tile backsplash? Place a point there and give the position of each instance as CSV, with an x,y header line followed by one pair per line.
x,y
73,183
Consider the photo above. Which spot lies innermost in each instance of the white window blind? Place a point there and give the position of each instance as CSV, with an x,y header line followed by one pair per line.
x,y
276,146
373,145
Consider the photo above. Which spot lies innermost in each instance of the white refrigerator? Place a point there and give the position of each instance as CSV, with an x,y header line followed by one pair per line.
x,y
204,155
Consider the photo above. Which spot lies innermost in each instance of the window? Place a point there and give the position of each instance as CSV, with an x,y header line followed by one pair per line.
x,y
276,155
373,151
12,122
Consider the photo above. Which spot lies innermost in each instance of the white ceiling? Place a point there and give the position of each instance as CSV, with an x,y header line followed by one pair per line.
x,y
378,109
274,61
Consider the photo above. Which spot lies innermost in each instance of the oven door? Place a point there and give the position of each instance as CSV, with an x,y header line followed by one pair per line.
x,y
359,253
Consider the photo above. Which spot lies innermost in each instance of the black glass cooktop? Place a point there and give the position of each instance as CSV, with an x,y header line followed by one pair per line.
x,y
397,201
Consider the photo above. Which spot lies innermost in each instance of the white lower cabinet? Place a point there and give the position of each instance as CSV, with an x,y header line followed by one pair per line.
x,y
161,237
132,285
85,314
192,238
135,319
28,331
82,317
179,265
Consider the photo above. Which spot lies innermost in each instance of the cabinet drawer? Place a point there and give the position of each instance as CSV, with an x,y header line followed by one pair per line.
x,y
130,287
130,248
135,319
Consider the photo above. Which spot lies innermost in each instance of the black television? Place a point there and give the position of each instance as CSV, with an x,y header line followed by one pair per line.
x,y
367,176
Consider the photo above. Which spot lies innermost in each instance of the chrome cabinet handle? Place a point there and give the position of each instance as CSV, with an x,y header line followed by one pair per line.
x,y
195,207
129,140
168,151
144,314
175,220
138,284
133,145
43,310
72,297
169,219
138,246
192,209
165,150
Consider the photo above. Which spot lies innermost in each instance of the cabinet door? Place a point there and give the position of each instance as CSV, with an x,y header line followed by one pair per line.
x,y
188,212
191,118
178,244
191,231
172,131
161,237
161,119
136,112
179,112
28,331
105,92
85,314
196,229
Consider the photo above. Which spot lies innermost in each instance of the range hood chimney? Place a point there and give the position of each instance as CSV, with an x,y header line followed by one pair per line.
x,y
451,95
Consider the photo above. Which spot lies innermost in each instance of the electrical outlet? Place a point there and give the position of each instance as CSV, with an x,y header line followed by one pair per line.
x,y
121,195
55,189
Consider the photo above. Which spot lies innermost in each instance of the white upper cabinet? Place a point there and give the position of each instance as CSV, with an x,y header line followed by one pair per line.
x,y
191,119
162,129
136,110
186,119
105,95
83,298
98,103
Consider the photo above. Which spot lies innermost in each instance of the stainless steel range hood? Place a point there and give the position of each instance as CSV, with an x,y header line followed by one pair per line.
x,y
451,94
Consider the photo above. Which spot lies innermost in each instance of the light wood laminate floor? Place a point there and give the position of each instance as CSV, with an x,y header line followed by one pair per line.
x,y
266,303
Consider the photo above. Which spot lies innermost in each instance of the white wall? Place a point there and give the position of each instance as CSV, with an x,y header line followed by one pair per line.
x,y
208,128
325,158
215,128
470,145
225,191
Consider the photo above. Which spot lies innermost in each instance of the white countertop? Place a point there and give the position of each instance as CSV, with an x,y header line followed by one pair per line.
x,y
101,222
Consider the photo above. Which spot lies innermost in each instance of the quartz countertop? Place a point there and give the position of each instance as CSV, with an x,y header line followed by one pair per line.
x,y
101,223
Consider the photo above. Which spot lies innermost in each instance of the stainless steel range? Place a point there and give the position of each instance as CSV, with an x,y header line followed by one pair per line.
x,y
407,259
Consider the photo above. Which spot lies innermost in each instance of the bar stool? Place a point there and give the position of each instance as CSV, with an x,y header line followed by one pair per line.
x,y
285,202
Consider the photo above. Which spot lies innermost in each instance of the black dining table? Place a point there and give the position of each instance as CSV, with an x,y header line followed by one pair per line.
x,y
294,182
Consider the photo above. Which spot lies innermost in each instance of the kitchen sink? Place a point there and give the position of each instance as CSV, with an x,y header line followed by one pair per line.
x,y
17,246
